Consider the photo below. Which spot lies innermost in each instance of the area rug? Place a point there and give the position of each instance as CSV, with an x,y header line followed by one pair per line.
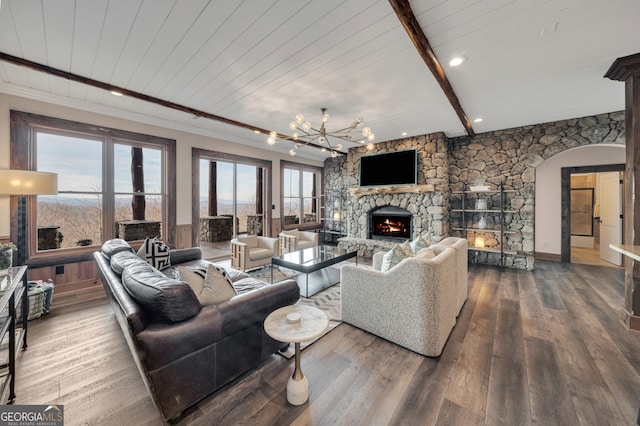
x,y
327,300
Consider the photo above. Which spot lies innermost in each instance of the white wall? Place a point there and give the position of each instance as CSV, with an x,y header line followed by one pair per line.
x,y
184,142
548,212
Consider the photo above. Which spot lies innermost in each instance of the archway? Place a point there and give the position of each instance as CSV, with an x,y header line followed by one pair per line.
x,y
548,197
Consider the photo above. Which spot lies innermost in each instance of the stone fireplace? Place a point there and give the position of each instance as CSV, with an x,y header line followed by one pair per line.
x,y
390,223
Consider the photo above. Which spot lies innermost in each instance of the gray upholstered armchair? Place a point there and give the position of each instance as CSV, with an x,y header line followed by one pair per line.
x,y
412,304
252,251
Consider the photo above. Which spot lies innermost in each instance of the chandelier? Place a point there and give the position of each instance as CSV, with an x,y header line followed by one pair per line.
x,y
303,134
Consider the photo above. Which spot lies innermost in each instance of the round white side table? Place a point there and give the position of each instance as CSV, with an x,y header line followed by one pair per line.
x,y
295,324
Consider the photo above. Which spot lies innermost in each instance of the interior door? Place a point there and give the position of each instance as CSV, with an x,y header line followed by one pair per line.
x,y
610,191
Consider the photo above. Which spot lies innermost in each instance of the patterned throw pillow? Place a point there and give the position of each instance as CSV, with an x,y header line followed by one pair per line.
x,y
211,286
423,240
397,254
155,252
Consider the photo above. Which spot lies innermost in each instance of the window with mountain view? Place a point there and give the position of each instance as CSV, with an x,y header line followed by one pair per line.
x,y
300,189
111,183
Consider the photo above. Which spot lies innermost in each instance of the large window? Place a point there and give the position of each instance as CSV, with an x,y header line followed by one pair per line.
x,y
300,190
111,183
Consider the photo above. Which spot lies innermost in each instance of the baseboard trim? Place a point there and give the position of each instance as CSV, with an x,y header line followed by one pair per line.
x,y
548,256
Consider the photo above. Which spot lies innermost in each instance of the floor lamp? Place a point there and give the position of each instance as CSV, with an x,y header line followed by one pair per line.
x,y
23,183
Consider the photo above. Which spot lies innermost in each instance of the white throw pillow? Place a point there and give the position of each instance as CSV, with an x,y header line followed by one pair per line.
x,y
397,254
423,240
155,253
210,287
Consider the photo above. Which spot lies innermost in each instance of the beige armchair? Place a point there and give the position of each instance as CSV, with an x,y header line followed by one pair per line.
x,y
252,251
294,240
412,304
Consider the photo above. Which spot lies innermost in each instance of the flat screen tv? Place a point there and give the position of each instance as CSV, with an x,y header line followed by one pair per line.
x,y
389,168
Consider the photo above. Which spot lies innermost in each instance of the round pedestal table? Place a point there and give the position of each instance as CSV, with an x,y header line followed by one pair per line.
x,y
295,324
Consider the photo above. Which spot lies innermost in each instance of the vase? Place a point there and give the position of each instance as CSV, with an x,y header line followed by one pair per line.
x,y
482,224
6,260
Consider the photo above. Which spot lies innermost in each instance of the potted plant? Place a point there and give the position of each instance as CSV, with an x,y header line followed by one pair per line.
x,y
6,256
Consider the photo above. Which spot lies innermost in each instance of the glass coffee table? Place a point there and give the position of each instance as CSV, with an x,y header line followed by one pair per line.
x,y
314,263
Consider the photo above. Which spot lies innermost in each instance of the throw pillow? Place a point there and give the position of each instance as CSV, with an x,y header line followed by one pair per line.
x,y
397,254
425,253
423,240
211,286
155,252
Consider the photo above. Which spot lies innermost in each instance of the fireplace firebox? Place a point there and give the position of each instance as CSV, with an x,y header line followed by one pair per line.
x,y
390,223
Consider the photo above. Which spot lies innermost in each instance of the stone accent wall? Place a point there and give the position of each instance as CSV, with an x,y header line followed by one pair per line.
x,y
509,156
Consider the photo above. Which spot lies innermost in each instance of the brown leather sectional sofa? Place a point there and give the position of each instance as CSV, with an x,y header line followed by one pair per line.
x,y
185,351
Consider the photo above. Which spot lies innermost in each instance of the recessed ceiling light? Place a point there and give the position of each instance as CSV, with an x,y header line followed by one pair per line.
x,y
404,133
116,93
257,131
457,60
477,120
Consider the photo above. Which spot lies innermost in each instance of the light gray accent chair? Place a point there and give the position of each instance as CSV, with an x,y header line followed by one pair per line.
x,y
411,304
294,240
461,246
252,251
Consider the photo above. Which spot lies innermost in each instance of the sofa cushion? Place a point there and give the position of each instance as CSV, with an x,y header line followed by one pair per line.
x,y
423,240
155,252
260,253
165,299
397,254
250,240
121,260
425,253
211,286
114,246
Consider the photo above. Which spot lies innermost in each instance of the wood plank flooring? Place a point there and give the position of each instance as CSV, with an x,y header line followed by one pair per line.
x,y
543,347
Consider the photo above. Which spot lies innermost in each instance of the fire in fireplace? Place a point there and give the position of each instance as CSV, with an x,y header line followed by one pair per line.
x,y
390,223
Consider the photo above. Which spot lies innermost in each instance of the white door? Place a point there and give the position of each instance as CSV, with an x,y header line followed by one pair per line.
x,y
610,191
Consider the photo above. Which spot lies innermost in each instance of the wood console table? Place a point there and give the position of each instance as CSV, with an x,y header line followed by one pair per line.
x,y
13,287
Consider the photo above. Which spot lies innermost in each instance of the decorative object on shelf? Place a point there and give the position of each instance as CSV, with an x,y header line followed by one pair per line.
x,y
303,134
6,257
479,185
482,223
481,204
23,183
479,242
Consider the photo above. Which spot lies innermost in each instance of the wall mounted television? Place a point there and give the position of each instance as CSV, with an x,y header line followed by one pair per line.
x,y
389,168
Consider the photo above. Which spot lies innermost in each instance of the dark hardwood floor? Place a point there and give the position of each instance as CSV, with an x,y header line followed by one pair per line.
x,y
528,348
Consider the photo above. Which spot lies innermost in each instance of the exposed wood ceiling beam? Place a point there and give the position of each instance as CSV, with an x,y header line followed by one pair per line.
x,y
167,104
402,8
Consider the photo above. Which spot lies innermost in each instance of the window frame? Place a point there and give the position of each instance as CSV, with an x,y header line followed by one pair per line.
x,y
319,172
24,129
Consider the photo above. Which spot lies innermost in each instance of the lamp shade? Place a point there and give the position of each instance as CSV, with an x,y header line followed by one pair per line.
x,y
27,182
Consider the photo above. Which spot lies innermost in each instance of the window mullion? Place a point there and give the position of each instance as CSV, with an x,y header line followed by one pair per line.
x,y
108,197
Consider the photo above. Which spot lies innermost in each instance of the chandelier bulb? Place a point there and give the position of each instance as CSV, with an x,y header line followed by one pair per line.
x,y
293,125
339,147
292,152
371,137
325,117
321,139
299,118
370,146
334,154
295,136
366,131
306,126
271,141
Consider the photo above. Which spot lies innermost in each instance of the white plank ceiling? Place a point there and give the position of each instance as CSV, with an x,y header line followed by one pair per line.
x,y
262,61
